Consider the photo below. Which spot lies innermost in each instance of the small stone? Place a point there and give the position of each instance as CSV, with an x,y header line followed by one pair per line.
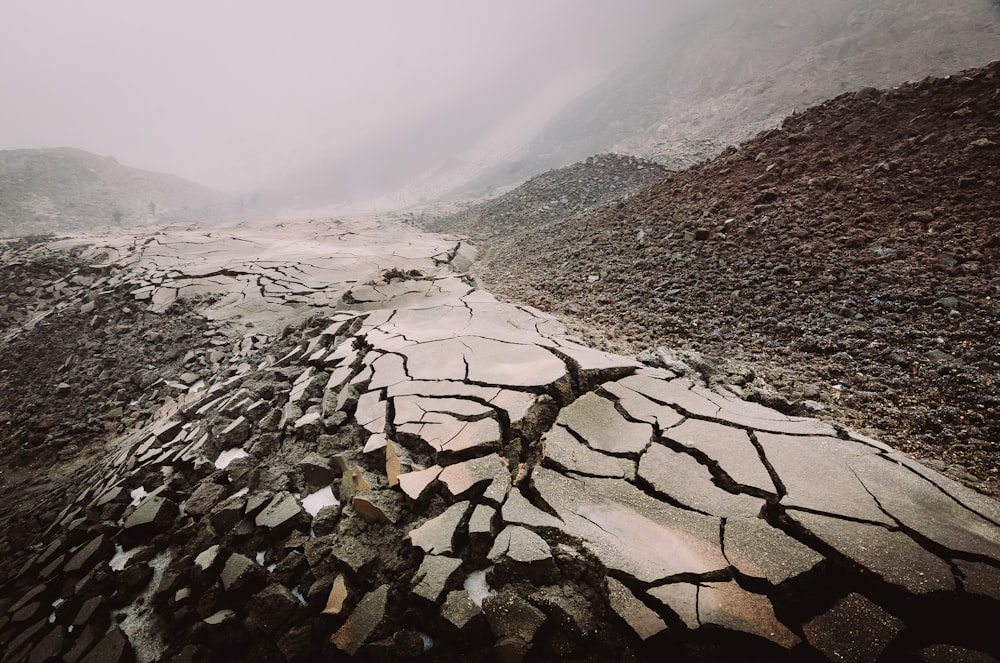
x,y
338,594
644,621
283,510
363,621
433,576
204,499
114,647
459,609
511,615
271,608
435,536
237,572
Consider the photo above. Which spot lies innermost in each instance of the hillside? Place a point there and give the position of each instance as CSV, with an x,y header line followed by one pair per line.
x,y
849,258
63,189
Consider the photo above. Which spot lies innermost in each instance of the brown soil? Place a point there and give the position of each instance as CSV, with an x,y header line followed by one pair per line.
x,y
849,257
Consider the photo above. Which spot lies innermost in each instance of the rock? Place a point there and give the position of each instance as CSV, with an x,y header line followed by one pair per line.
x,y
433,576
435,535
270,609
853,630
88,555
511,615
598,423
338,594
569,609
379,506
282,511
362,623
640,618
459,609
204,499
154,511
415,483
239,572
114,647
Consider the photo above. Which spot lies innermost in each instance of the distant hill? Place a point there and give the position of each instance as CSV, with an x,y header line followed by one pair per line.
x,y
65,189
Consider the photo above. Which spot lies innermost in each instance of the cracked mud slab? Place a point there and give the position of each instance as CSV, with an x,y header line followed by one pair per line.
x,y
491,488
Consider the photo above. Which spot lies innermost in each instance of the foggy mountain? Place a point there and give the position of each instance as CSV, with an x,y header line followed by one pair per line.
x,y
48,190
712,78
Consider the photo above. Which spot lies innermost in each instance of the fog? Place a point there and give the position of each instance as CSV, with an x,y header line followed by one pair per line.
x,y
237,94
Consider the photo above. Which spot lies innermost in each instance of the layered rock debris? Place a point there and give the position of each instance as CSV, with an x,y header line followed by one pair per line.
x,y
413,467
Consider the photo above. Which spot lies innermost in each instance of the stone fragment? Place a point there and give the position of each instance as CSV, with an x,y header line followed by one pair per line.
x,y
481,521
684,479
730,606
759,550
521,552
920,505
511,615
435,536
569,609
363,621
49,647
565,452
270,609
415,483
596,421
630,531
640,618
282,510
462,477
238,572
853,630
204,498
153,511
207,558
980,578
114,647
681,598
352,482
641,408
730,447
392,465
459,609
233,435
891,554
377,506
338,594
817,475
518,510
86,556
433,576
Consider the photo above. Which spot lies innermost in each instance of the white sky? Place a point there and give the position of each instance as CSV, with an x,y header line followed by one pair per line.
x,y
233,93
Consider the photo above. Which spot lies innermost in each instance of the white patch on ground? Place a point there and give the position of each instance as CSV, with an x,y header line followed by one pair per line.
x,y
428,641
477,587
137,495
228,456
316,501
139,623
120,558
297,594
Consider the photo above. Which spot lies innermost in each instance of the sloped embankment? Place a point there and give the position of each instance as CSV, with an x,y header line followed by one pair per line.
x,y
850,256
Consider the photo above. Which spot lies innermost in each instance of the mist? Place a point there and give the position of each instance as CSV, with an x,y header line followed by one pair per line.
x,y
236,94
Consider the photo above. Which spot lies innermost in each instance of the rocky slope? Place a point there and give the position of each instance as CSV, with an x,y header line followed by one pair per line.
x,y
57,190
552,196
340,447
849,258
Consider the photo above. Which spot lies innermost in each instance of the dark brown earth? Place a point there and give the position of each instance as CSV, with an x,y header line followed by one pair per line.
x,y
847,258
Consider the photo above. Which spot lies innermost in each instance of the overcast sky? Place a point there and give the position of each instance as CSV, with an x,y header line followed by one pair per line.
x,y
233,93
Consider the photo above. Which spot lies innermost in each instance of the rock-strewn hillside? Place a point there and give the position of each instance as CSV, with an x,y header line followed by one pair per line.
x,y
850,257
57,190
555,195
341,447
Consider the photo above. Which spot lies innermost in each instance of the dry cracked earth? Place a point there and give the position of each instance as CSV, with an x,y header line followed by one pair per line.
x,y
325,441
